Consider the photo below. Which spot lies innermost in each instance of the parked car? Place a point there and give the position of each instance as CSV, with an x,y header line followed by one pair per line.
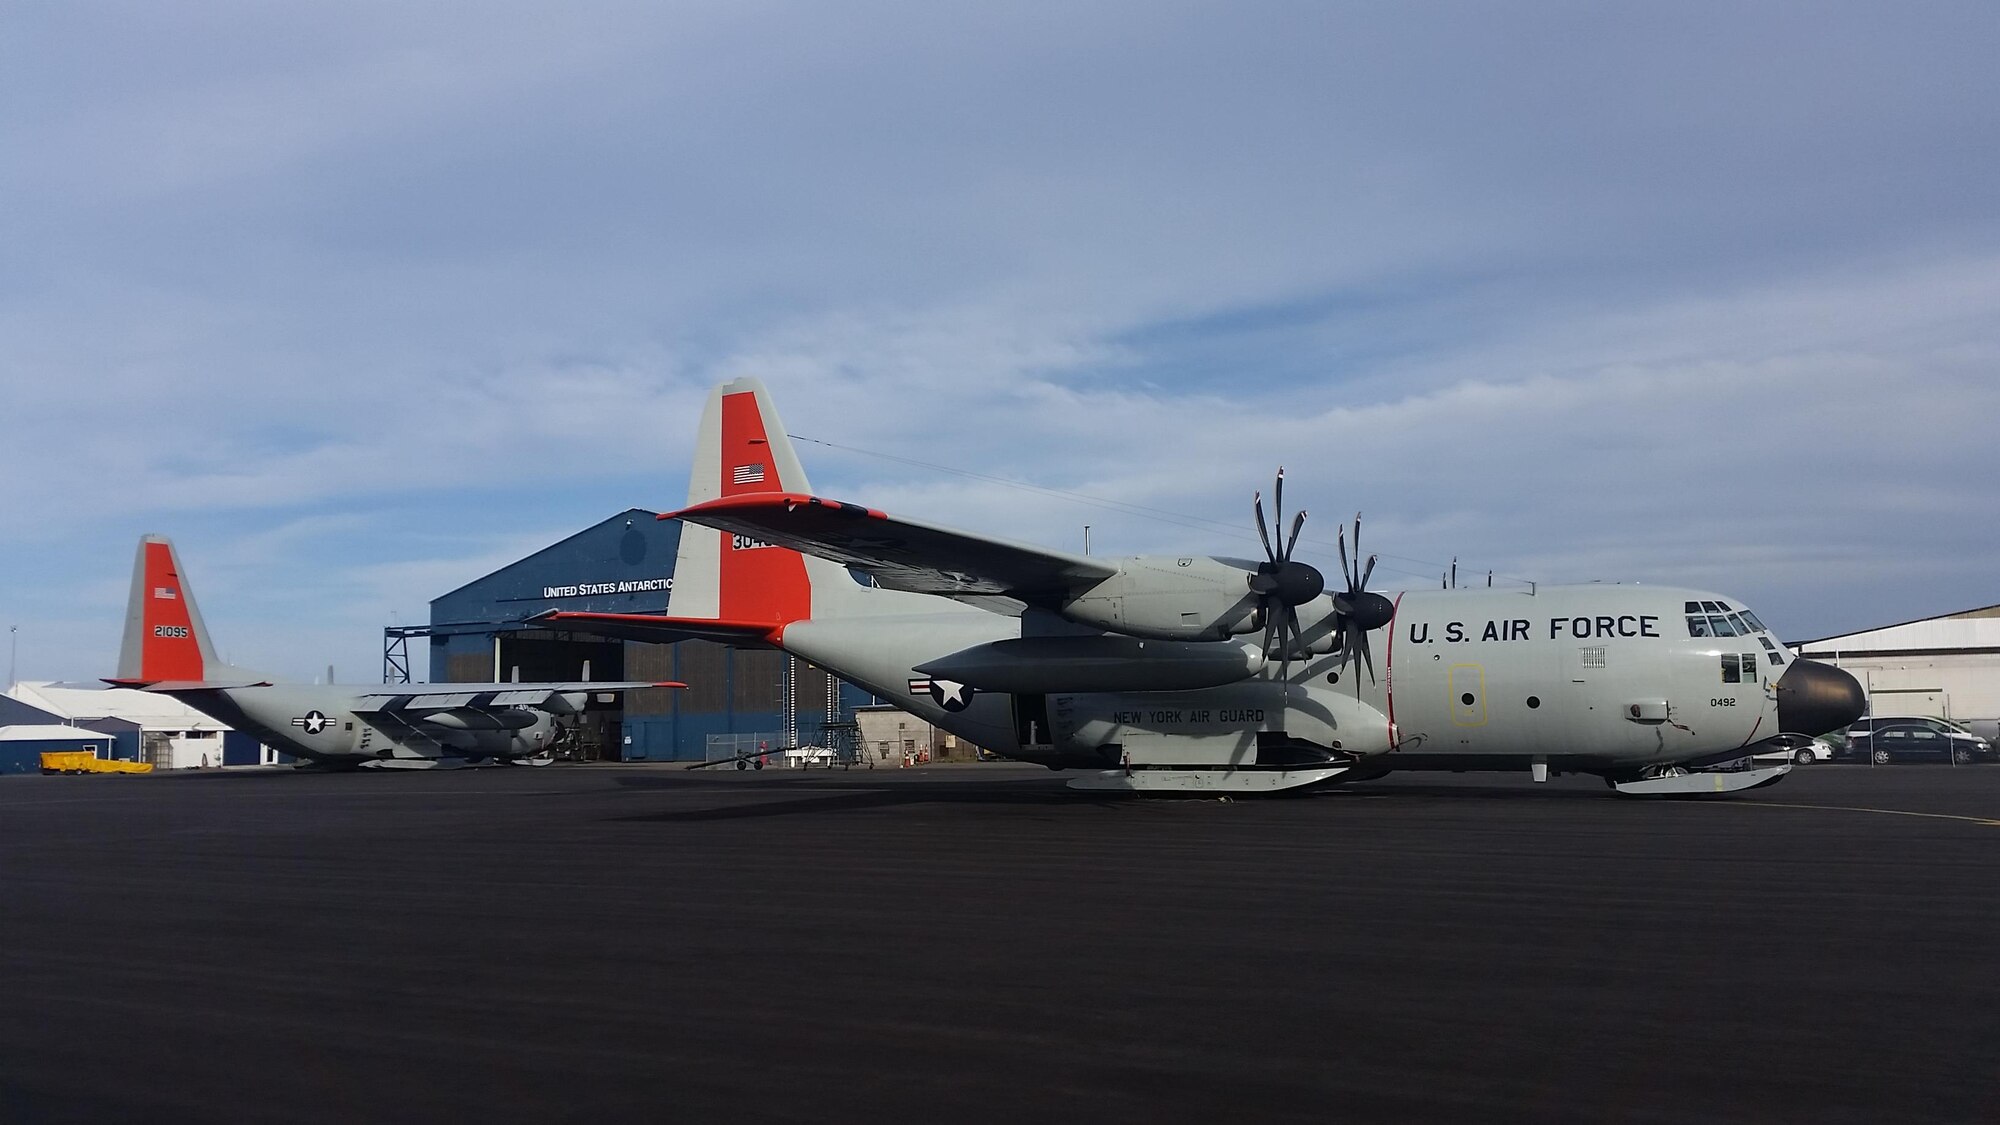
x,y
1803,752
1915,739
1844,749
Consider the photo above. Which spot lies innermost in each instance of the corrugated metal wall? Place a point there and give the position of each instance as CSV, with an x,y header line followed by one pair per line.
x,y
624,563
730,691
26,757
468,667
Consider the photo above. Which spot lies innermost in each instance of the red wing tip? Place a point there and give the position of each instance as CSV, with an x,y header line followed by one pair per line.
x,y
670,683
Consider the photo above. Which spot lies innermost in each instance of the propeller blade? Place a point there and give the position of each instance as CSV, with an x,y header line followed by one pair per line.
x,y
1257,503
1366,573
1290,642
1365,656
1351,584
1344,572
1298,522
1278,500
1270,631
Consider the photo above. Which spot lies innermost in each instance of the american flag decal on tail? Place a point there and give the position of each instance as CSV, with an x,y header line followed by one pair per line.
x,y
748,474
162,592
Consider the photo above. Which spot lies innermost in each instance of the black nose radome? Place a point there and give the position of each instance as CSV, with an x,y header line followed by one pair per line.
x,y
1815,698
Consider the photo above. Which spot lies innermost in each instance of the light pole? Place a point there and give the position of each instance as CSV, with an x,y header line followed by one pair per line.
x,y
13,647
1086,539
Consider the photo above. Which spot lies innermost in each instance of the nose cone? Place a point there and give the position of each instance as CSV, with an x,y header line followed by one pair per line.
x,y
1815,698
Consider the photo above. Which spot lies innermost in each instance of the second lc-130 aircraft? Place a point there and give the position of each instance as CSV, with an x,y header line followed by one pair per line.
x,y
166,650
1197,673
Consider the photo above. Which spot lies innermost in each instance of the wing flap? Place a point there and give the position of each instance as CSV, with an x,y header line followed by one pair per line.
x,y
902,554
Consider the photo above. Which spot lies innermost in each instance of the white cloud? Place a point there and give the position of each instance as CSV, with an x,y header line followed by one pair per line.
x,y
345,299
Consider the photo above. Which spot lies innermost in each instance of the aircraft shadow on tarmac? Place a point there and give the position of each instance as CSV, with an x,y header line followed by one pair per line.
x,y
834,795
841,795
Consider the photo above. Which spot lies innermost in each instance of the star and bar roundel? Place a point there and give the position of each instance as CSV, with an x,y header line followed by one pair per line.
x,y
945,693
312,722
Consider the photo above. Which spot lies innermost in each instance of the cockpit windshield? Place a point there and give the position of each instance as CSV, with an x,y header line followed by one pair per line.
x,y
1717,619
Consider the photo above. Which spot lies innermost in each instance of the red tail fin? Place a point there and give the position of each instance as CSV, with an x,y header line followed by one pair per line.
x,y
742,448
756,581
160,613
165,640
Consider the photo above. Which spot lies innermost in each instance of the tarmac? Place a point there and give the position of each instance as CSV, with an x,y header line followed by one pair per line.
x,y
604,943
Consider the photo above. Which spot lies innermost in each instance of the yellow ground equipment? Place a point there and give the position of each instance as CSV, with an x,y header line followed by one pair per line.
x,y
84,761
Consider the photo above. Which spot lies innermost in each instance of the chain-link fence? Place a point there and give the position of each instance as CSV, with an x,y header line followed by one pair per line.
x,y
725,746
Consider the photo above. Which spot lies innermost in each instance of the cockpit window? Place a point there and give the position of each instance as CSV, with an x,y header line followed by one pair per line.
x,y
1739,669
1716,619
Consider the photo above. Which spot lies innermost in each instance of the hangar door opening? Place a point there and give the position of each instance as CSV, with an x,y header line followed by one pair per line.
x,y
537,656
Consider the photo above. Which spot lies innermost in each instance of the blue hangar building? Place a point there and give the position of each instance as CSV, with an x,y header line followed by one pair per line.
x,y
736,699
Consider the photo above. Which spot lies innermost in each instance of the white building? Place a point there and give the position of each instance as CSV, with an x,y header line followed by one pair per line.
x,y
890,737
171,734
1948,666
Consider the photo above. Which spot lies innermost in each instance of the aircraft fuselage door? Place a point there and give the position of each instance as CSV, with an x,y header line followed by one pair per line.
x,y
1031,722
1466,684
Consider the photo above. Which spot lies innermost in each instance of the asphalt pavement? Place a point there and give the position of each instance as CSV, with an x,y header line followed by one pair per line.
x,y
979,944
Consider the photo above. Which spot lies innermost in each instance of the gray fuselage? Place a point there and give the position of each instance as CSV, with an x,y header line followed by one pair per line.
x,y
1588,677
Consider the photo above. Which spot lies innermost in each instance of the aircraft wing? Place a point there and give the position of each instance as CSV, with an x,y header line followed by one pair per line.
x,y
903,554
559,698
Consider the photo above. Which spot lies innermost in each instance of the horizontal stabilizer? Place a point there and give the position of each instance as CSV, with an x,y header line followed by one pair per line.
x,y
660,628
168,687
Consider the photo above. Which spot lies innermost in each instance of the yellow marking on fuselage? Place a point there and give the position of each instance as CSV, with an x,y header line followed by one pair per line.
x,y
1989,822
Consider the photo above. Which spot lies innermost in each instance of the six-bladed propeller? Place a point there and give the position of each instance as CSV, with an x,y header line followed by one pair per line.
x,y
1360,609
1283,583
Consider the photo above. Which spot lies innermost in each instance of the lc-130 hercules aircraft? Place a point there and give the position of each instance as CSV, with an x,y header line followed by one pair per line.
x,y
1198,673
399,726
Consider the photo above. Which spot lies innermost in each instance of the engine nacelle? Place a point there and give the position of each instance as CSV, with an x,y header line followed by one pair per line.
x,y
470,718
1173,599
533,740
513,732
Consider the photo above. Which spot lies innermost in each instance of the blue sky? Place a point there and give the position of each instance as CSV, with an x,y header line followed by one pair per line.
x,y
360,301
